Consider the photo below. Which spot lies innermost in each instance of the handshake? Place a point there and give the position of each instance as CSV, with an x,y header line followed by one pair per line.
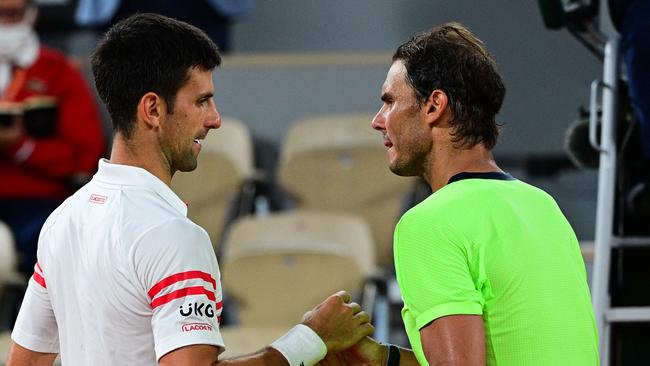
x,y
335,333
35,115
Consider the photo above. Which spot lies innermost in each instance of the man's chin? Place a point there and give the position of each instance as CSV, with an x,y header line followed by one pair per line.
x,y
404,171
188,166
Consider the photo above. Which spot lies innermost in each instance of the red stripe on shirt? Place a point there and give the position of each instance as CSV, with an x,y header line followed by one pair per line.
x,y
39,279
182,276
39,267
196,290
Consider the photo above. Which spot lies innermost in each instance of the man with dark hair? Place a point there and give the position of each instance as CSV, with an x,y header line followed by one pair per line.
x,y
488,266
123,276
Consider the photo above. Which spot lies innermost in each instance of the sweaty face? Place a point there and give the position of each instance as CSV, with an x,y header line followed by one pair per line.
x,y
406,136
194,114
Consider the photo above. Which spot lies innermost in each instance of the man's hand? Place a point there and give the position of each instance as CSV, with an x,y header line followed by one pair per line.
x,y
367,352
339,323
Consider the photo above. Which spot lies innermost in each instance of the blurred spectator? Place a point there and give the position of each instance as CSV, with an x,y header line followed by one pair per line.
x,y
215,17
632,19
50,130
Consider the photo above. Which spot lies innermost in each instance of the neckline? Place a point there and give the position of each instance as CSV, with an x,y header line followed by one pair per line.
x,y
480,175
130,175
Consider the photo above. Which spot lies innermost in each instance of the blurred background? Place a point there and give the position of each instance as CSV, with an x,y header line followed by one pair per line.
x,y
296,155
291,59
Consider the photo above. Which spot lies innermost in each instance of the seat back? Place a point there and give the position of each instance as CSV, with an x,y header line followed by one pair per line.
x,y
7,254
279,266
337,162
225,161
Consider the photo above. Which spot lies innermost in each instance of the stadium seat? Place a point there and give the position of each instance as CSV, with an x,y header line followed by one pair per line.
x,y
5,342
276,267
7,255
338,162
224,165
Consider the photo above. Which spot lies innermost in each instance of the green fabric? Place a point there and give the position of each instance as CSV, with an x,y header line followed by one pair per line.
x,y
504,250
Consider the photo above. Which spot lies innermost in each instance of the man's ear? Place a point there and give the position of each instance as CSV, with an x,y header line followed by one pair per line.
x,y
435,106
151,109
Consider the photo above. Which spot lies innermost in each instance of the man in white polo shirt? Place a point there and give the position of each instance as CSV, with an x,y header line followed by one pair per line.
x,y
123,276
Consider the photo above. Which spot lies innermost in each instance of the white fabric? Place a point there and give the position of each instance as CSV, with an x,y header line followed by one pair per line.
x,y
123,276
5,76
19,45
16,36
301,346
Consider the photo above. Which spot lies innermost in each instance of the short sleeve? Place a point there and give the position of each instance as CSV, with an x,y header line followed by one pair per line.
x,y
433,273
177,267
36,327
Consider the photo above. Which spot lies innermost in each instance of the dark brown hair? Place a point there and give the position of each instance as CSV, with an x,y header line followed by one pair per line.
x,y
147,53
450,58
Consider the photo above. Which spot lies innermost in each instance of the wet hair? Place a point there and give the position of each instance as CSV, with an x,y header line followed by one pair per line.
x,y
450,58
147,53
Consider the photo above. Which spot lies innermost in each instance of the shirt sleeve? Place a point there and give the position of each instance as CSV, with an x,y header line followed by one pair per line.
x,y
36,327
432,262
176,265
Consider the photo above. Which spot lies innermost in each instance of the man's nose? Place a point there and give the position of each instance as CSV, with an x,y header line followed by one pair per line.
x,y
378,121
215,120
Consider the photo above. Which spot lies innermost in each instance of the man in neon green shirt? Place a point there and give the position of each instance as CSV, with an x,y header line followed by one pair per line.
x,y
489,268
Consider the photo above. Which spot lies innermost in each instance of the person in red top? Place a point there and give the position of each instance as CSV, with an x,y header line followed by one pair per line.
x,y
40,164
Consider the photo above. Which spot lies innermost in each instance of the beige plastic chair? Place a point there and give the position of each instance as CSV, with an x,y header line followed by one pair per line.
x,y
338,162
5,343
7,254
277,267
225,162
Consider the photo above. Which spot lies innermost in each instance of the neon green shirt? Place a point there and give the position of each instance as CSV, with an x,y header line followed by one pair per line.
x,y
490,245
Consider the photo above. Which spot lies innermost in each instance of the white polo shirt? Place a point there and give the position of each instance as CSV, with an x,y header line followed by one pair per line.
x,y
123,276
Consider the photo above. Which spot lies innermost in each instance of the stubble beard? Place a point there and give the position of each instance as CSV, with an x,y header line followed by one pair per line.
x,y
181,156
186,160
411,161
409,166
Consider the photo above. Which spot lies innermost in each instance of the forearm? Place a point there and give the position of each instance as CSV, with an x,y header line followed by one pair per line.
x,y
392,355
292,349
21,356
407,357
268,356
203,355
334,325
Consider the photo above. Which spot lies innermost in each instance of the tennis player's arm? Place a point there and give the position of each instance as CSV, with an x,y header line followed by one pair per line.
x,y
35,338
205,355
334,325
369,352
454,340
21,356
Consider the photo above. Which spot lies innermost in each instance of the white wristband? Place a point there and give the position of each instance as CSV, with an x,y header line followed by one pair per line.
x,y
301,346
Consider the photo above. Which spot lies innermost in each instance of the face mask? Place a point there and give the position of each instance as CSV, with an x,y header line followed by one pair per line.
x,y
15,37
